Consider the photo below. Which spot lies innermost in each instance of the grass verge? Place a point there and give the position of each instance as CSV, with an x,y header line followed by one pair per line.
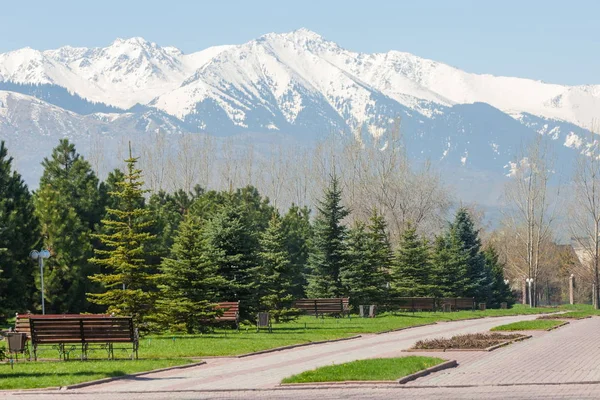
x,y
377,369
535,325
569,315
28,375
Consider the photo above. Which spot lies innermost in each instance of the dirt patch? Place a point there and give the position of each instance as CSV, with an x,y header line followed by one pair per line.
x,y
475,341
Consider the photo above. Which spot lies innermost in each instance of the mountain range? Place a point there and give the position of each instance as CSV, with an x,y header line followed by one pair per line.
x,y
296,84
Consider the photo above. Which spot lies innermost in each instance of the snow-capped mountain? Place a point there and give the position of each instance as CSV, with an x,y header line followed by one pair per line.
x,y
282,75
298,84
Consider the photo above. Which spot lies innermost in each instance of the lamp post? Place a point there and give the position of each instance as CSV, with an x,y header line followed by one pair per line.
x,y
40,255
529,282
571,284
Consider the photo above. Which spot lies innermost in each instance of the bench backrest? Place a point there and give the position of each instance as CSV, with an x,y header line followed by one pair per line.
x,y
413,303
231,310
22,320
465,303
322,306
82,330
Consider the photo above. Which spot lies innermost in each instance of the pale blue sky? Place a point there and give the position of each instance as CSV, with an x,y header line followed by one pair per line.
x,y
551,40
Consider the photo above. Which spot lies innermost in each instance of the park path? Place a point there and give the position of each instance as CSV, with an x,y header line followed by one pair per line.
x,y
569,354
267,370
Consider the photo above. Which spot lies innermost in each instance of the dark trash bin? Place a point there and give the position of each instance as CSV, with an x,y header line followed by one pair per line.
x,y
16,342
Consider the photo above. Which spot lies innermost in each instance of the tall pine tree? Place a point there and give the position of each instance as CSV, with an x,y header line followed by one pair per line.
x,y
449,267
69,206
67,172
69,242
362,276
189,282
500,291
328,247
297,231
479,280
128,280
276,275
19,235
412,274
379,241
232,244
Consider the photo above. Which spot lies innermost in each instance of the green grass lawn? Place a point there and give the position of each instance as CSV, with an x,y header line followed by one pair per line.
x,y
579,307
535,325
26,375
378,369
571,315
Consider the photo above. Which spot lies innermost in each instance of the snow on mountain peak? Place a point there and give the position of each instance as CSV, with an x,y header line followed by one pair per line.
x,y
281,74
136,41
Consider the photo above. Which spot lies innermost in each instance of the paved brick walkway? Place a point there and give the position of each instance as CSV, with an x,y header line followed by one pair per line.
x,y
532,392
267,370
566,355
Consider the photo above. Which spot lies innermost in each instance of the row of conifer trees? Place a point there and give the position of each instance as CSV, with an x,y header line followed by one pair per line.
x,y
166,258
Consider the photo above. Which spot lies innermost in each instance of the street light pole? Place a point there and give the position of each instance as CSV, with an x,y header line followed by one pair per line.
x,y
40,255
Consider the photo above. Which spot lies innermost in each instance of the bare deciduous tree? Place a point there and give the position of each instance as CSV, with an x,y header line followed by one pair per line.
x,y
584,213
530,209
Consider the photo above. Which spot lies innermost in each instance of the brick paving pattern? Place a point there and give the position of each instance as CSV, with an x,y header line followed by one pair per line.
x,y
267,370
566,355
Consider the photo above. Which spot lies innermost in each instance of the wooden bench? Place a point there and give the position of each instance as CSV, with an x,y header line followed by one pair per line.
x,y
459,303
230,313
316,307
85,332
22,320
413,303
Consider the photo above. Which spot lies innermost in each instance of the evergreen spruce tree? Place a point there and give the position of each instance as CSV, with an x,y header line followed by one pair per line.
x,y
449,263
362,277
112,185
479,280
168,210
128,280
67,172
69,242
19,234
232,244
189,282
275,277
297,232
256,207
500,291
328,247
412,274
68,206
379,244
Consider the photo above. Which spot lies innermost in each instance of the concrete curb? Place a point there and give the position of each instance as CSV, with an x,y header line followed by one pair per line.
x,y
406,327
557,326
329,384
115,378
275,349
32,390
435,368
